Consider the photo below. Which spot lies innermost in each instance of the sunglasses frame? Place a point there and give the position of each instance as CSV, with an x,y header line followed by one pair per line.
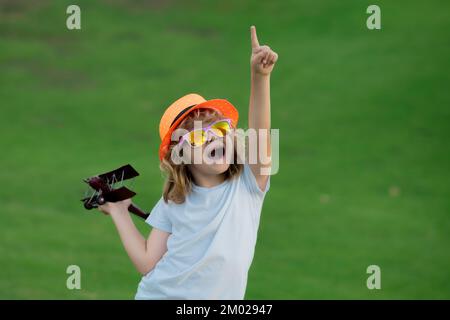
x,y
206,129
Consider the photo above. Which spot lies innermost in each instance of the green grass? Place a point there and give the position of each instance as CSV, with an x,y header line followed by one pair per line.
x,y
359,112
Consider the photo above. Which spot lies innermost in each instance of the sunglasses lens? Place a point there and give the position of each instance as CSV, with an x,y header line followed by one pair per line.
x,y
220,128
197,137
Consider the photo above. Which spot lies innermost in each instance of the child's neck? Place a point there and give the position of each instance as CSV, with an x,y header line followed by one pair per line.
x,y
207,180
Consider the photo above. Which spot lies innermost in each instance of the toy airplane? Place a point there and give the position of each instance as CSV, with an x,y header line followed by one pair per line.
x,y
109,187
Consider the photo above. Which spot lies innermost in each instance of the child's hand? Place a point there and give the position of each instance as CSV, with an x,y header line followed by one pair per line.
x,y
263,58
113,208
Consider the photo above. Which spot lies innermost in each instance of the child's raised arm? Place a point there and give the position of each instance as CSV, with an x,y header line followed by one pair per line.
x,y
262,61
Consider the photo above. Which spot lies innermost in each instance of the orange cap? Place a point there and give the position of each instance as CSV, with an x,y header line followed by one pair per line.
x,y
178,110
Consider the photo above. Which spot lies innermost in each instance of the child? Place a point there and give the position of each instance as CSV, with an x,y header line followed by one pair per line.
x,y
205,224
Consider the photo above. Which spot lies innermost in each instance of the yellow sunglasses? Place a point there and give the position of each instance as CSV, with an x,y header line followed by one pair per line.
x,y
198,137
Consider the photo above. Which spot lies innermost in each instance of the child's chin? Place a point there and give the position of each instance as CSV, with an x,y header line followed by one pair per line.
x,y
217,168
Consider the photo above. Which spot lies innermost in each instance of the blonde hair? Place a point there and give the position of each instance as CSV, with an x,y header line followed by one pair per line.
x,y
179,180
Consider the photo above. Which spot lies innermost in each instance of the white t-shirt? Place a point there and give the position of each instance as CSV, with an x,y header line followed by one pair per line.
x,y
212,242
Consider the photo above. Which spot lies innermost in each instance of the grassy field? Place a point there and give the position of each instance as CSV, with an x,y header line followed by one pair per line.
x,y
364,125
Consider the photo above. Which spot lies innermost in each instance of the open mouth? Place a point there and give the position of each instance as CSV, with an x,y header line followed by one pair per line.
x,y
217,152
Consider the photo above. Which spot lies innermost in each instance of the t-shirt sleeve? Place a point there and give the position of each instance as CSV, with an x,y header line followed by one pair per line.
x,y
159,218
250,180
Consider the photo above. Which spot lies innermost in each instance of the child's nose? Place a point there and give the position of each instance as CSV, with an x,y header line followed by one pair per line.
x,y
210,137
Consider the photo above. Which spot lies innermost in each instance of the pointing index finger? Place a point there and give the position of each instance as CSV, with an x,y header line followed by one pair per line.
x,y
255,43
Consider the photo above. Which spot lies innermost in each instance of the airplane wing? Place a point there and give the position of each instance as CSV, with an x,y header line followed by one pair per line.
x,y
123,173
119,194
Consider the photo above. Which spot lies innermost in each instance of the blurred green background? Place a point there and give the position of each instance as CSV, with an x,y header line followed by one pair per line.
x,y
364,128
